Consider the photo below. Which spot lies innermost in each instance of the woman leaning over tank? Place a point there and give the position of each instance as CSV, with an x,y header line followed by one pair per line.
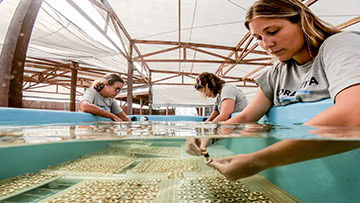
x,y
99,98
316,61
228,99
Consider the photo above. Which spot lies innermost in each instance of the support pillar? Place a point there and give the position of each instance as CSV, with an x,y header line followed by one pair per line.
x,y
13,53
74,71
141,106
129,98
150,95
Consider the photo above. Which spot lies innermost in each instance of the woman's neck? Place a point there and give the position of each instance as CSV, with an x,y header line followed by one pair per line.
x,y
102,93
304,55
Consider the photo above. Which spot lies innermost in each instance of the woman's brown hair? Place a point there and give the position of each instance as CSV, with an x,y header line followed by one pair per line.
x,y
209,81
315,30
110,79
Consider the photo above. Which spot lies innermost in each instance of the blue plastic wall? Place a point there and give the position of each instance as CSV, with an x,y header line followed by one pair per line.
x,y
169,118
31,116
297,113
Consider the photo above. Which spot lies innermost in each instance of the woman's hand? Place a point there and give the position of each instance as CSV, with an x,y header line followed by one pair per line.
x,y
115,118
197,146
237,166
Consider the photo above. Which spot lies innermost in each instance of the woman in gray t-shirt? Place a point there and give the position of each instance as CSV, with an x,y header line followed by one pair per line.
x,y
228,98
317,61
99,98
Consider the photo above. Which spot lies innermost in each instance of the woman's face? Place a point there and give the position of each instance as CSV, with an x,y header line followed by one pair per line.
x,y
281,38
203,89
114,90
207,92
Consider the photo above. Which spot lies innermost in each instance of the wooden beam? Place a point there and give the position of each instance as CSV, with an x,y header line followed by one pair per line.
x,y
196,74
206,61
172,83
349,23
191,84
167,78
243,56
150,99
257,75
179,19
13,53
130,82
254,71
192,65
48,92
107,20
34,86
101,6
125,32
113,21
310,2
28,59
237,47
188,44
122,27
155,53
212,54
74,72
96,26
240,57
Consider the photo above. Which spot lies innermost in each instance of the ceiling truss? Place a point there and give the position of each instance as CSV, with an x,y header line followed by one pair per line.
x,y
41,72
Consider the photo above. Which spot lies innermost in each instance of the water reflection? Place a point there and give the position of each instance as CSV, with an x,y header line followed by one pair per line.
x,y
13,135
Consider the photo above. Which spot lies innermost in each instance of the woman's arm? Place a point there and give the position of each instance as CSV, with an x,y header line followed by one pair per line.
x,y
343,113
87,107
195,146
254,111
279,154
123,116
227,108
213,115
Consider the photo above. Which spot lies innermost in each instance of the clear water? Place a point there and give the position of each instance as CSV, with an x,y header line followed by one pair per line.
x,y
33,134
124,150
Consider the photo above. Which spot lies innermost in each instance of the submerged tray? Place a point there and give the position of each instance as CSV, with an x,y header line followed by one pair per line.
x,y
20,184
195,187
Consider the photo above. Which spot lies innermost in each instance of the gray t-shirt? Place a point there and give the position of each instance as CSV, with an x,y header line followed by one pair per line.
x,y
234,93
336,67
108,104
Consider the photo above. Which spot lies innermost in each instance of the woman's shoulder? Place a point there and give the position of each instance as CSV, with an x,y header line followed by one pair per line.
x,y
90,90
344,34
231,88
342,38
228,86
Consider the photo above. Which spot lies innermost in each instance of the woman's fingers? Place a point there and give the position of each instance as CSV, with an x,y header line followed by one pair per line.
x,y
204,142
192,147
